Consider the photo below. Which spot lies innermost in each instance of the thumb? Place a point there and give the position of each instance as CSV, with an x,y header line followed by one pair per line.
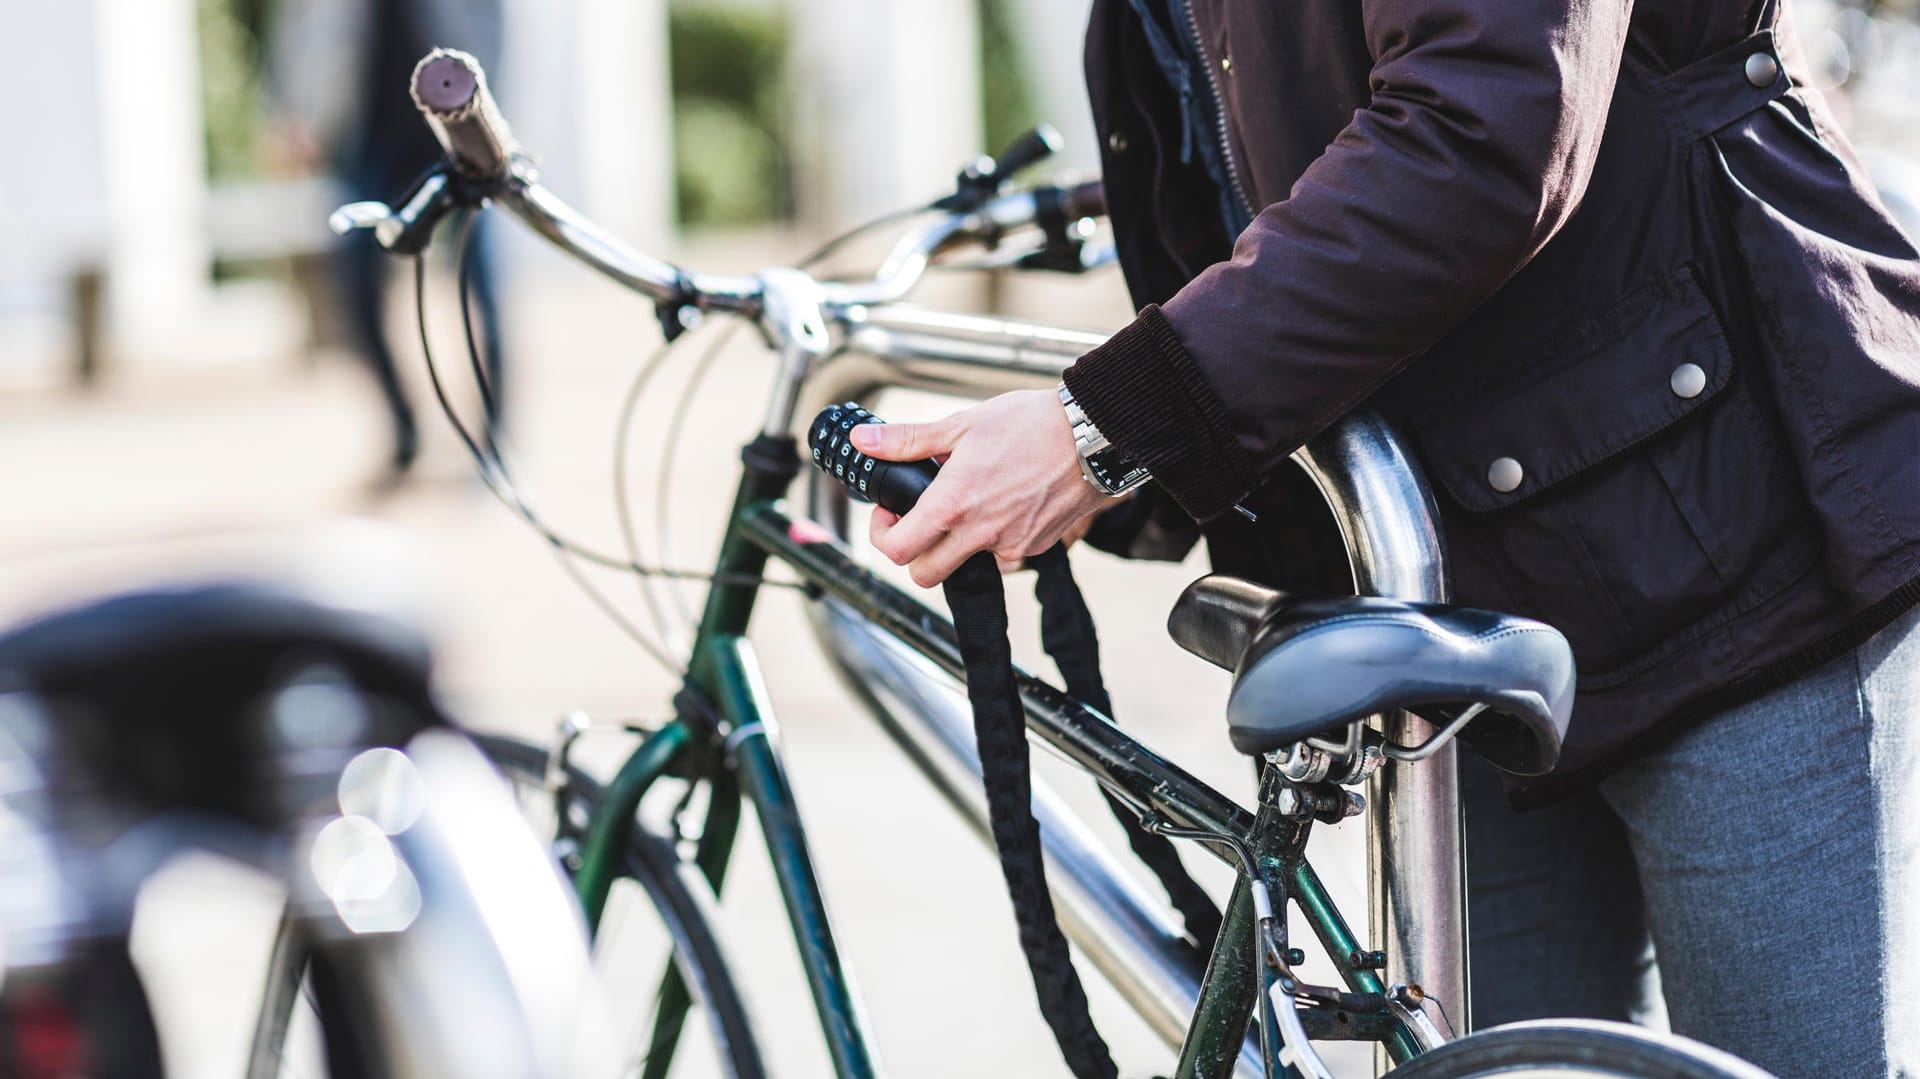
x,y
906,441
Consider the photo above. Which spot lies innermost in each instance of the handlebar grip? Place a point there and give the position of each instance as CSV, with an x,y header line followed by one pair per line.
x,y
450,90
893,485
1087,199
1037,143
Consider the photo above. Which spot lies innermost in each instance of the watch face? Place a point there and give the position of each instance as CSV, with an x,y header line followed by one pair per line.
x,y
1115,472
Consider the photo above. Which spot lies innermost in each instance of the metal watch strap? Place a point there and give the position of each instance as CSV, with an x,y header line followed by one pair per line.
x,y
1102,464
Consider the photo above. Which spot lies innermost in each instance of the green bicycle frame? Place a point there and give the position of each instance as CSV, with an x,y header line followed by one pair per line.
x,y
727,741
721,736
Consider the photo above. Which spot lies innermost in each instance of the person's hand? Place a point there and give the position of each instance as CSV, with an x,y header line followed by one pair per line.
x,y
1010,483
1075,532
290,150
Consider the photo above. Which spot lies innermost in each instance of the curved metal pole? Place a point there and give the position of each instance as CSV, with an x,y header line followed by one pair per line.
x,y
1416,872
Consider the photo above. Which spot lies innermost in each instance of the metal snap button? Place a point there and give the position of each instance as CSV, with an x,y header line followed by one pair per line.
x,y
1117,142
1226,64
1504,475
1762,69
1688,380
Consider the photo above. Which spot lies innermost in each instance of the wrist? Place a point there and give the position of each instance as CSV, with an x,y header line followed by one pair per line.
x,y
1103,465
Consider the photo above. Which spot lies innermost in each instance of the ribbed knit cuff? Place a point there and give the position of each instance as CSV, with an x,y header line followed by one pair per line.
x,y
1148,397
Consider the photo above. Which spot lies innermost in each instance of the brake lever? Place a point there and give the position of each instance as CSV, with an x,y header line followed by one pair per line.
x,y
984,178
403,231
358,215
407,230
1065,248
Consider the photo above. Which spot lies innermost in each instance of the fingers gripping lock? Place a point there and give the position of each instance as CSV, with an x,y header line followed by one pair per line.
x,y
892,485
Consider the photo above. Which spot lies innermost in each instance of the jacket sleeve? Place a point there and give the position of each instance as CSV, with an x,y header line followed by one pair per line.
x,y
1484,121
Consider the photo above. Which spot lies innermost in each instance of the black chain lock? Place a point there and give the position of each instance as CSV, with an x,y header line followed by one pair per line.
x,y
977,599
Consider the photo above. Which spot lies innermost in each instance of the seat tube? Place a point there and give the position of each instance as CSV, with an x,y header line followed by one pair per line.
x,y
1416,870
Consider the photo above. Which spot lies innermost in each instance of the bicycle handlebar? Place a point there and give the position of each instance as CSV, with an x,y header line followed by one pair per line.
x,y
450,90
1085,199
571,231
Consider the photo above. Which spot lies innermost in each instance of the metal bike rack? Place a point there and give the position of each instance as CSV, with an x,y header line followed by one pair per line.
x,y
1416,863
1389,523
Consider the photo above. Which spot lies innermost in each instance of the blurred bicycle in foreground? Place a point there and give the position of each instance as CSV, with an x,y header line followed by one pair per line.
x,y
295,736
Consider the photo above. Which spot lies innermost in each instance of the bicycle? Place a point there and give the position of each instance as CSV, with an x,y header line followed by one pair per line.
x,y
1508,682
295,733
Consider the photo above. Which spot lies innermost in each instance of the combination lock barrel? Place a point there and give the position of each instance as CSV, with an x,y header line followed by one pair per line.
x,y
892,485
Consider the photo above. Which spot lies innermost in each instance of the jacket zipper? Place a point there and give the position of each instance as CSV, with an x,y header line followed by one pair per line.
x,y
1219,111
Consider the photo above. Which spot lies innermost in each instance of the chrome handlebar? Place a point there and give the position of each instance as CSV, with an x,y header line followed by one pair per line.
x,y
520,192
483,162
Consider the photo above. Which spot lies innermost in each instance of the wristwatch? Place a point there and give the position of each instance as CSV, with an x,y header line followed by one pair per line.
x,y
1102,464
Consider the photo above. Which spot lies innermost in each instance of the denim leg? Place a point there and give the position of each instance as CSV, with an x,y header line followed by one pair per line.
x,y
1553,909
359,264
1890,688
1773,842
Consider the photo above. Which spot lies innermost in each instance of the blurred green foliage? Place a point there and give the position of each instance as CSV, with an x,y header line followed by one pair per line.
x,y
733,164
229,32
1006,100
731,160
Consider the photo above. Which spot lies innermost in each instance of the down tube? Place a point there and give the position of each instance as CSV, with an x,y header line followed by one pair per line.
x,y
1087,738
1121,929
743,698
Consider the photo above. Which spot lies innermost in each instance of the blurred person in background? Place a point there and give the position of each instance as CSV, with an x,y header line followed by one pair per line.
x,y
1615,271
334,70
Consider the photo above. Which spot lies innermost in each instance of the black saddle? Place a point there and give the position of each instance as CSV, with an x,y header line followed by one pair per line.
x,y
167,697
1307,667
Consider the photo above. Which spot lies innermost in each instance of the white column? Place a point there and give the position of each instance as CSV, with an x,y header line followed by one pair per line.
x,y
885,103
153,145
534,88
52,192
623,102
586,87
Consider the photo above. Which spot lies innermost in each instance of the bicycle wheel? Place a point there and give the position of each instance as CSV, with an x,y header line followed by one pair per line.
x,y
661,910
1576,1049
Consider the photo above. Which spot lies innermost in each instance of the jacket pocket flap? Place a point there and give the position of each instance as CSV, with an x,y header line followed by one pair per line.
x,y
1602,386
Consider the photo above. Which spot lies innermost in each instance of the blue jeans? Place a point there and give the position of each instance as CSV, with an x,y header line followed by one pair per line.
x,y
1755,884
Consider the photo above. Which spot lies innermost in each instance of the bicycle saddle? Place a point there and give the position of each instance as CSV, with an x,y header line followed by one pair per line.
x,y
177,696
1306,667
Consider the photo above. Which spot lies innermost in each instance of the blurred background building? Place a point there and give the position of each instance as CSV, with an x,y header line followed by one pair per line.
x,y
180,394
147,172
150,190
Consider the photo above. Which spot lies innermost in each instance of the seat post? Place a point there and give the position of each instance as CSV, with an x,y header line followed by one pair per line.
x,y
1416,871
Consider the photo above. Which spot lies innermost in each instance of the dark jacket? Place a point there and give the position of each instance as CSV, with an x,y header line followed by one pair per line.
x,y
1619,281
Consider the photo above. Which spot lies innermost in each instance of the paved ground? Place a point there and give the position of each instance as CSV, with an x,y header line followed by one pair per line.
x,y
201,468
